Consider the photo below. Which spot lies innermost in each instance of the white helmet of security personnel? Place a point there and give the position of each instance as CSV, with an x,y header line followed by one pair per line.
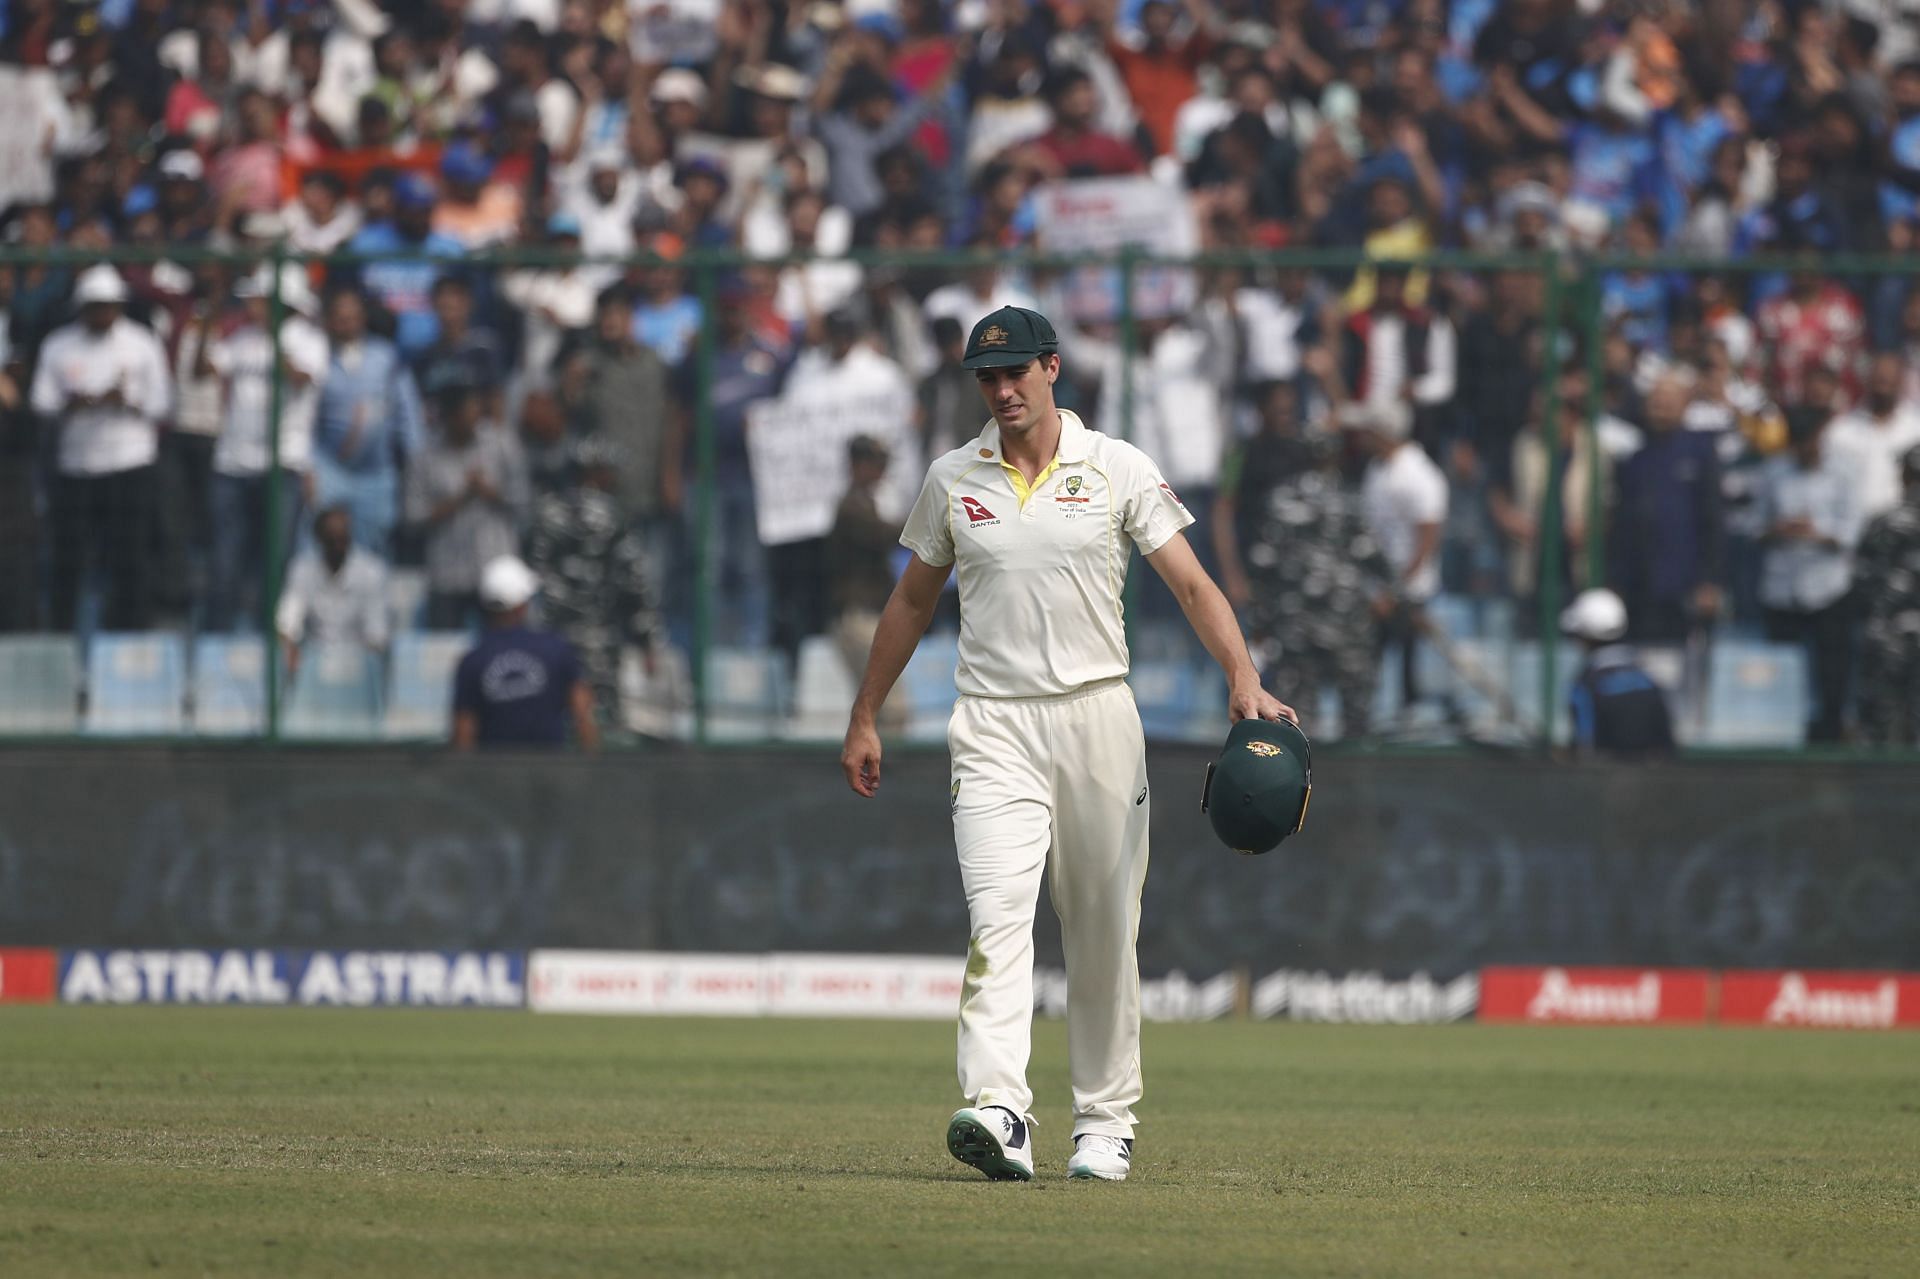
x,y
1597,616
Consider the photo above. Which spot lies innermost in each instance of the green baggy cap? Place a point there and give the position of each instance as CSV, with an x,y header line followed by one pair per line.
x,y
1256,795
1008,338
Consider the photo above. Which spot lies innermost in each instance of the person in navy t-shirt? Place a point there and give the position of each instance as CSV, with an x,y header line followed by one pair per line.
x,y
518,687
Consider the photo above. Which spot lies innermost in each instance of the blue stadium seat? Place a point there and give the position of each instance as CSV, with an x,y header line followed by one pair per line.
x,y
406,597
1209,723
335,693
39,684
420,700
823,691
136,684
657,702
746,693
1757,695
1166,695
1454,615
1523,672
229,685
929,688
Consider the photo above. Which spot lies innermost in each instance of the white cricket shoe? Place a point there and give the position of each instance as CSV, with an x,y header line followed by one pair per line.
x,y
1098,1155
994,1140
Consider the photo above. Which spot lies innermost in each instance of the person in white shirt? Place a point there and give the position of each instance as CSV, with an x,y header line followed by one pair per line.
x,y
809,291
336,593
1404,501
245,484
1039,517
1810,509
552,302
1868,442
982,289
105,381
603,205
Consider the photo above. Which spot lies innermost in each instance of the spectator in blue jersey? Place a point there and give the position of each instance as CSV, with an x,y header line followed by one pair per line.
x,y
1617,169
1618,710
405,287
1900,189
665,316
1690,131
519,688
368,424
1637,301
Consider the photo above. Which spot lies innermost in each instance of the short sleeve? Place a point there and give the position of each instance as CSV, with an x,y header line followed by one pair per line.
x,y
929,528
466,684
1429,504
1151,512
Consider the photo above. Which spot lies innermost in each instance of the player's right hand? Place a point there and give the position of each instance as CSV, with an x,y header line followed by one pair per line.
x,y
860,758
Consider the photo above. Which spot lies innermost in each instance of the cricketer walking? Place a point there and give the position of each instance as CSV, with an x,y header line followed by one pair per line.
x,y
1039,516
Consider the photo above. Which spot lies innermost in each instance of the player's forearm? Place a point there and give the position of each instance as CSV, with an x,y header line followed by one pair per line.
x,y
1212,620
902,623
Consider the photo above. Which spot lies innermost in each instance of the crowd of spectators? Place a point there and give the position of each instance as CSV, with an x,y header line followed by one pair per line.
x,y
1751,430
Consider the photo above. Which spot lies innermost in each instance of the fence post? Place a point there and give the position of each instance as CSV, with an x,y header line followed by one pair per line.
x,y
270,559
1548,528
703,531
1129,334
1594,324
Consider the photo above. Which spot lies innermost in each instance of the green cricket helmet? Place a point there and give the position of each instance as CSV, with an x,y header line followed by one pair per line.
x,y
1256,795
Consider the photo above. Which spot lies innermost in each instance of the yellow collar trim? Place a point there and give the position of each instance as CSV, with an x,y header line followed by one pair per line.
x,y
1021,488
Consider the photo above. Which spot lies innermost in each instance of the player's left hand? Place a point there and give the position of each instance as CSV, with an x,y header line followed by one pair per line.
x,y
1254,702
860,758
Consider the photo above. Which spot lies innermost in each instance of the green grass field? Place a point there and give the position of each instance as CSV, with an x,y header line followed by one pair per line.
x,y
174,1141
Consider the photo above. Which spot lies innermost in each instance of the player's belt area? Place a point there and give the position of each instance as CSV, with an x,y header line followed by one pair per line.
x,y
1092,688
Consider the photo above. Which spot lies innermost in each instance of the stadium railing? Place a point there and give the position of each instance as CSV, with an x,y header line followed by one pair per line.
x,y
1165,350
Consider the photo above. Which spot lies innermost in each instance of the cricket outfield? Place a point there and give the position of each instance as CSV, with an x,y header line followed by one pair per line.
x,y
230,1141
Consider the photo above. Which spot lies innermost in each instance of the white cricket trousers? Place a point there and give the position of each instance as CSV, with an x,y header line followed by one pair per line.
x,y
1056,784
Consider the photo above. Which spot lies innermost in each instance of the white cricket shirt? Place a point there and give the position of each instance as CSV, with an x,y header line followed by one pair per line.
x,y
106,439
1040,579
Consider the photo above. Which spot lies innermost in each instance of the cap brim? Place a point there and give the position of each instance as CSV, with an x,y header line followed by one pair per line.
x,y
1001,359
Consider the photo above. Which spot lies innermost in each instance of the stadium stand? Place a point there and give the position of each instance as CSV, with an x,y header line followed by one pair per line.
x,y
1755,146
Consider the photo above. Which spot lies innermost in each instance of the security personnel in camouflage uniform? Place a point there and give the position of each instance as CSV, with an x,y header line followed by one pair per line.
x,y
1318,584
592,567
1886,580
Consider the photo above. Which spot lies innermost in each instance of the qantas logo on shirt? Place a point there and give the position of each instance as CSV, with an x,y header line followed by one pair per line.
x,y
977,515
